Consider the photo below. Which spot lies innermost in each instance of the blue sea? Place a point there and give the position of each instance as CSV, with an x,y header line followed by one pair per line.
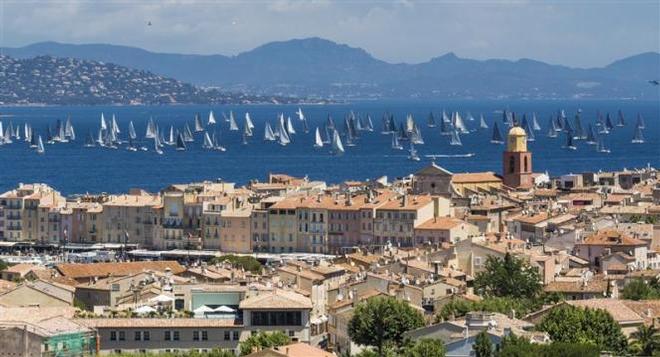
x,y
71,168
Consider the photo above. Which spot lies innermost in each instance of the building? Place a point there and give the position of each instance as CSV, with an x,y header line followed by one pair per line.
x,y
609,249
438,230
517,161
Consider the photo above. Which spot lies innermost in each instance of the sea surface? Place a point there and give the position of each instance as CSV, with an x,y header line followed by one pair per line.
x,y
71,168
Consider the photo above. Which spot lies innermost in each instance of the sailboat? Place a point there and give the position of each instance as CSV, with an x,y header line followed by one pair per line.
x,y
268,133
180,143
469,116
530,132
482,122
211,120
305,126
621,121
99,138
232,122
455,139
318,142
157,145
600,146
199,127
330,124
431,121
131,145
591,135
413,153
187,134
27,132
289,126
104,125
337,146
171,138
638,138
608,122
640,122
69,132
248,122
300,114
40,146
370,124
458,123
569,141
208,143
535,123
578,131
131,131
395,142
282,134
416,136
151,129
89,143
496,138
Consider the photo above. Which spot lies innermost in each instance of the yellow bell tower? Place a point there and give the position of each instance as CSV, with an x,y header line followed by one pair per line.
x,y
517,161
517,140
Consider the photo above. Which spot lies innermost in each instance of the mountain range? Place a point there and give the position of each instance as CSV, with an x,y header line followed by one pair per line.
x,y
315,67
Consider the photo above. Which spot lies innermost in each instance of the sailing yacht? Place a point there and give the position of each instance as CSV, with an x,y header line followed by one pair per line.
x,y
232,122
208,143
248,122
621,121
151,129
171,138
216,144
187,135
496,138
289,126
608,122
455,139
318,142
131,131
600,146
282,134
199,127
89,143
268,133
535,123
370,124
211,120
337,146
157,146
416,136
638,138
180,143
482,122
591,135
40,146
413,153
640,122
395,142
431,121
569,141
131,145
300,114
104,125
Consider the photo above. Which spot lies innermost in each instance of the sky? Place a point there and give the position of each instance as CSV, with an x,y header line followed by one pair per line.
x,y
582,33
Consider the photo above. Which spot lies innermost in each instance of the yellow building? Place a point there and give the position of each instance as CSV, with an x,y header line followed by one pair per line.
x,y
129,218
475,181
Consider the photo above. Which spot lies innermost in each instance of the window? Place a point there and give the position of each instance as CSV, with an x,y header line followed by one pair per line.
x,y
205,335
292,333
146,335
175,335
512,164
195,335
235,335
168,335
113,335
227,335
526,164
138,335
122,335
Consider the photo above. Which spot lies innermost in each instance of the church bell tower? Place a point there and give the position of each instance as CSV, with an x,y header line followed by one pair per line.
x,y
517,161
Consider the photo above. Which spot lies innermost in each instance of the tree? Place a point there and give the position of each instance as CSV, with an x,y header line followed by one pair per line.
x,y
382,320
571,324
508,276
3,265
263,340
426,347
504,305
248,263
646,340
639,289
483,347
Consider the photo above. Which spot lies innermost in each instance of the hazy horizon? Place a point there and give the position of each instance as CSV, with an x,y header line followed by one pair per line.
x,y
577,34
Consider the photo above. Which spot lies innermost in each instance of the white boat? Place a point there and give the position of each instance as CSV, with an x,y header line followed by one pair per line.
x,y
171,140
131,131
211,120
199,127
455,139
395,142
157,145
216,144
482,122
638,138
208,143
337,146
99,138
289,126
104,125
248,121
89,143
151,129
318,142
232,122
301,115
40,146
600,146
268,133
180,143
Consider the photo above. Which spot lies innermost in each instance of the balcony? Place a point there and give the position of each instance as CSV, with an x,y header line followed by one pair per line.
x,y
13,216
14,228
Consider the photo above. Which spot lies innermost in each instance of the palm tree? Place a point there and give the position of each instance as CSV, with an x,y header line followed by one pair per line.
x,y
646,340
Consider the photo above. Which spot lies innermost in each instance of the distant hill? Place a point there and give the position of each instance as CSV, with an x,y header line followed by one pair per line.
x,y
53,80
318,67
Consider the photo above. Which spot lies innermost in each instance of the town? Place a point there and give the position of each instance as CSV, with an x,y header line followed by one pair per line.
x,y
462,262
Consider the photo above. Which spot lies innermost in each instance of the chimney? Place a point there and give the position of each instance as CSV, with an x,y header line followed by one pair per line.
x,y
404,201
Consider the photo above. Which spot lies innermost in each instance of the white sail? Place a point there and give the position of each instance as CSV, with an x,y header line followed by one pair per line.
x,y
104,125
482,122
337,146
211,120
455,138
131,131
289,126
248,121
151,129
318,142
99,138
40,146
395,142
199,127
300,114
232,122
268,133
208,143
413,153
115,127
283,137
